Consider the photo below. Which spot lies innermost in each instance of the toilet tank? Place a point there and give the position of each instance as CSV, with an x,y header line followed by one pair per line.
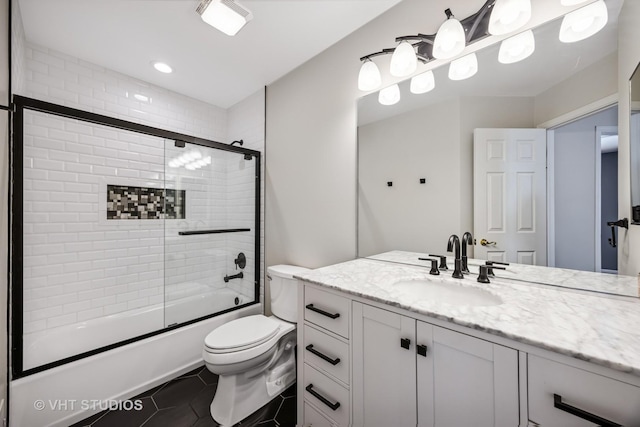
x,y
284,291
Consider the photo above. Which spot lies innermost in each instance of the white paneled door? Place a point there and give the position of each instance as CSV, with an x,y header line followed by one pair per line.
x,y
510,195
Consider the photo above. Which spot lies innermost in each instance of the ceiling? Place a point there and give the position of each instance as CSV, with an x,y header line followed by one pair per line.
x,y
550,64
127,35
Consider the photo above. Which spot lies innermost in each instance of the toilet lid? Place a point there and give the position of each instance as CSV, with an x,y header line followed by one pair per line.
x,y
244,332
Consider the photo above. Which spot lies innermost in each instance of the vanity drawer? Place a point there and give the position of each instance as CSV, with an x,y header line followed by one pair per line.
x,y
327,395
326,353
593,393
315,418
327,310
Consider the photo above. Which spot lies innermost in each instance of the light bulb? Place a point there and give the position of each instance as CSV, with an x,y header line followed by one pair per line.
x,y
584,22
389,95
422,83
517,48
450,39
369,77
404,60
508,16
463,68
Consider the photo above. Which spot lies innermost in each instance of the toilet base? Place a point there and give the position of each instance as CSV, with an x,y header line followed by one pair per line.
x,y
240,395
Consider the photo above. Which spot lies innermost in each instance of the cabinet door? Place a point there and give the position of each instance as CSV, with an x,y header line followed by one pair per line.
x,y
592,394
384,368
465,381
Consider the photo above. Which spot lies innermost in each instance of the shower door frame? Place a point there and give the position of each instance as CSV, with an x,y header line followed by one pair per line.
x,y
16,201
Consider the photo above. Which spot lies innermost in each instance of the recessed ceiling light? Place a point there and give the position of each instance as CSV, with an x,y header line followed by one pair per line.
x,y
162,67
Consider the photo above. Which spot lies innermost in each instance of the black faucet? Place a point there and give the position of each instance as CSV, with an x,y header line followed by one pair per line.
x,y
467,239
454,242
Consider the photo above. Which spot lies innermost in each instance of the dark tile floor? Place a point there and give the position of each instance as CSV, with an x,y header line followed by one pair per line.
x,y
184,402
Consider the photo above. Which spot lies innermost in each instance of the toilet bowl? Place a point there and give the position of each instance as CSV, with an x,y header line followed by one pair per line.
x,y
254,356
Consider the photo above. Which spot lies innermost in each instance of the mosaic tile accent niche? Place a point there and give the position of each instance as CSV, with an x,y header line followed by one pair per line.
x,y
125,202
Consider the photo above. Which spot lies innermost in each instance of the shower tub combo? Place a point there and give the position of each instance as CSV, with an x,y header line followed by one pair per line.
x,y
129,245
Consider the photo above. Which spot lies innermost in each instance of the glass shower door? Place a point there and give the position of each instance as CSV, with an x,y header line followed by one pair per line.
x,y
210,247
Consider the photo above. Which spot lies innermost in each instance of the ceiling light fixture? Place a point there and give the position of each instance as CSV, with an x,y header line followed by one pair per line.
x,y
450,38
369,77
584,22
422,83
509,15
463,68
404,60
517,48
162,67
227,16
389,95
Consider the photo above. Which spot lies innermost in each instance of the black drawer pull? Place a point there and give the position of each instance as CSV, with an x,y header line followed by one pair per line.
x,y
558,403
324,313
405,343
324,357
422,350
322,399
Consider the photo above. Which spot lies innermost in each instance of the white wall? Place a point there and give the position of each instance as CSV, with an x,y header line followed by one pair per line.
x,y
592,84
435,143
422,143
311,136
575,186
628,59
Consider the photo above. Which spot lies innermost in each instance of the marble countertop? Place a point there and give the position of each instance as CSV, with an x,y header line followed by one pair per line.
x,y
588,326
561,277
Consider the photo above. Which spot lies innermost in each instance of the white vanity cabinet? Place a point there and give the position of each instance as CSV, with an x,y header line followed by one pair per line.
x,y
324,368
567,396
408,372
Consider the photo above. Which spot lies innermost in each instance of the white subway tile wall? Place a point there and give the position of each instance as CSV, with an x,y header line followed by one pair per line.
x,y
79,265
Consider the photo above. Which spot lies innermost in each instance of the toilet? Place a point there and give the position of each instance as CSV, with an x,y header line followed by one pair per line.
x,y
254,356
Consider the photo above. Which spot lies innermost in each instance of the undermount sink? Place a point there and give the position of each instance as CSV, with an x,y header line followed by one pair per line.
x,y
446,293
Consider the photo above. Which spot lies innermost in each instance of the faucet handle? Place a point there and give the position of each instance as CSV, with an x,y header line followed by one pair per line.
x,y
496,263
443,261
434,266
486,271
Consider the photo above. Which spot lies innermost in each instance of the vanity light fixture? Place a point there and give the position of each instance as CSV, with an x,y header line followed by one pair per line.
x,y
517,48
162,67
450,38
509,15
404,60
584,22
227,16
448,42
369,77
463,68
389,95
422,83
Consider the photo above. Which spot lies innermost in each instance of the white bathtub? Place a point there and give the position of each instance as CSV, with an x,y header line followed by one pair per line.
x,y
58,343
119,373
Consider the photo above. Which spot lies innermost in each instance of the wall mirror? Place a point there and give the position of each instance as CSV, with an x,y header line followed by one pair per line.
x,y
634,141
416,165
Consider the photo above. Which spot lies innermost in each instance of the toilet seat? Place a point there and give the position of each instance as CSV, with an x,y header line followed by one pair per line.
x,y
241,334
